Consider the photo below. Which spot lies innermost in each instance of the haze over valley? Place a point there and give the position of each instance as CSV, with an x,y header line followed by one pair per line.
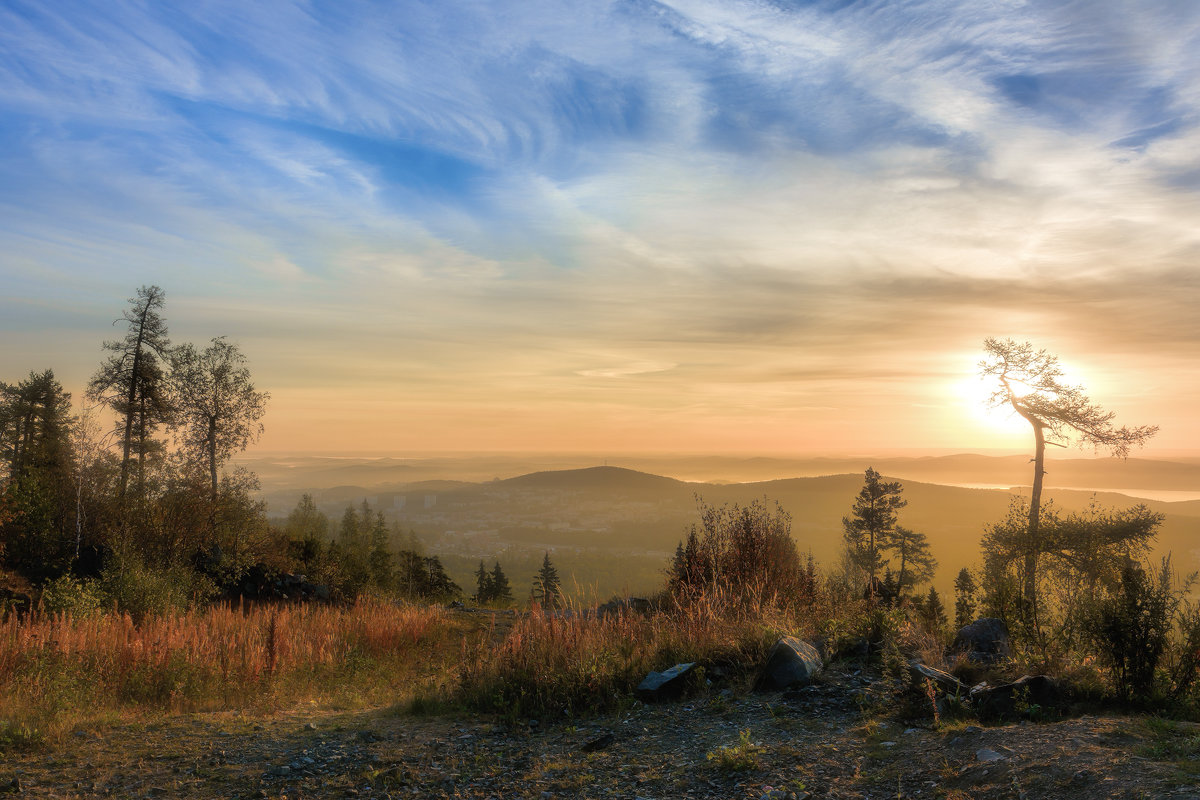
x,y
613,528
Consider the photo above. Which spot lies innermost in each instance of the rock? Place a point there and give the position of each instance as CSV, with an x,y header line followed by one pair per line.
x,y
666,685
985,640
1018,698
599,743
987,756
944,682
636,605
790,663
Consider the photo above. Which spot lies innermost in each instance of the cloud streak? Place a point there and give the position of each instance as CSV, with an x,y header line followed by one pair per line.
x,y
626,206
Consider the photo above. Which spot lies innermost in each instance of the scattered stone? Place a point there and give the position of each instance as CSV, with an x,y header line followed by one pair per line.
x,y
987,756
666,685
985,640
599,743
790,663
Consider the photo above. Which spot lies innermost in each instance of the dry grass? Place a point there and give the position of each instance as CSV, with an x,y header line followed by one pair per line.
x,y
58,672
565,664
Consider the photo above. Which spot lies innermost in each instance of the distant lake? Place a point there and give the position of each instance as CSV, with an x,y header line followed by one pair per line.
x,y
1161,495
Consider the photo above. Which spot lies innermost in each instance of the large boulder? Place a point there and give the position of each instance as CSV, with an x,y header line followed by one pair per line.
x,y
985,640
791,662
666,685
1028,696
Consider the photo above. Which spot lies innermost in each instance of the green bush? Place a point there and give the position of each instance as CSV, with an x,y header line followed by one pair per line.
x,y
1131,628
69,595
142,591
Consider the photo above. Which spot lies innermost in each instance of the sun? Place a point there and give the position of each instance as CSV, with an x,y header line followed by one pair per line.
x,y
990,425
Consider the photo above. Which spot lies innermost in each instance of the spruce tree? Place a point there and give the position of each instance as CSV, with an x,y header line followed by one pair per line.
x,y
501,591
483,584
546,585
131,381
933,611
871,527
964,598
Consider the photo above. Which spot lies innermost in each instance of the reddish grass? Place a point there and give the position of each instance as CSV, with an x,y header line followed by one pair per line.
x,y
57,671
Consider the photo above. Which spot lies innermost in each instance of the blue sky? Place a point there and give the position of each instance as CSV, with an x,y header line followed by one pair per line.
x,y
679,225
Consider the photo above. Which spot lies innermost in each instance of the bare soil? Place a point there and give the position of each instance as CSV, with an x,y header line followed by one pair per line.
x,y
841,738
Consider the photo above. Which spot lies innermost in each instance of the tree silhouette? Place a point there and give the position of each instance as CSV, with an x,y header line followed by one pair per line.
x,y
131,380
546,585
217,408
1031,383
501,592
871,527
964,598
917,563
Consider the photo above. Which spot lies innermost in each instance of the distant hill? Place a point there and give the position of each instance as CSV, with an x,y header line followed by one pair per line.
x,y
603,514
595,480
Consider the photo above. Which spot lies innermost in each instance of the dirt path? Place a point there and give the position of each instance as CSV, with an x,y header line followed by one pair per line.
x,y
813,741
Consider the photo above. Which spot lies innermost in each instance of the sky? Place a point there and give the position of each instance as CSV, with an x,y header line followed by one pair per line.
x,y
628,226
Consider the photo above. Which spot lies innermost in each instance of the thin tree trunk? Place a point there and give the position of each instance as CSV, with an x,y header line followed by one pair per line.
x,y
212,475
1029,592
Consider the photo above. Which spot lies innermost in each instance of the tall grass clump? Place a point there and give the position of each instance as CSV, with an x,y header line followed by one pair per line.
x,y
58,670
557,664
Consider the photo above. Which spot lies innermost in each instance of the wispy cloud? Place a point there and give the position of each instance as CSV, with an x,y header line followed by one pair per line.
x,y
677,199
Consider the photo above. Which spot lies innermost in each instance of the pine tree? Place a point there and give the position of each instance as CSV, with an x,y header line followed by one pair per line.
x,y
501,591
933,611
964,598
131,381
308,530
438,585
483,585
546,586
871,528
917,563
379,560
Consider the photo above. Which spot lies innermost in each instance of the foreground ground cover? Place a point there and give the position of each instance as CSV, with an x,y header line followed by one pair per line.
x,y
387,701
831,740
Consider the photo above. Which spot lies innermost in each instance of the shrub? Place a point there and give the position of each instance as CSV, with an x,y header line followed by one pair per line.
x,y
1131,627
744,554
142,591
69,595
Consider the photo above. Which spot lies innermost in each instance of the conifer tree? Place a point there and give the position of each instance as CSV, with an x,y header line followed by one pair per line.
x,y
933,611
546,585
483,584
964,598
501,591
379,560
917,563
131,381
871,528
1030,383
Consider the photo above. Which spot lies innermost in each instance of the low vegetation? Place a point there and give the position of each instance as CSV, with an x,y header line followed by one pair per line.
x,y
59,672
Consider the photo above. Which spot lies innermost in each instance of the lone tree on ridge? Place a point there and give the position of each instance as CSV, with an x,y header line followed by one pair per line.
x,y
1030,382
